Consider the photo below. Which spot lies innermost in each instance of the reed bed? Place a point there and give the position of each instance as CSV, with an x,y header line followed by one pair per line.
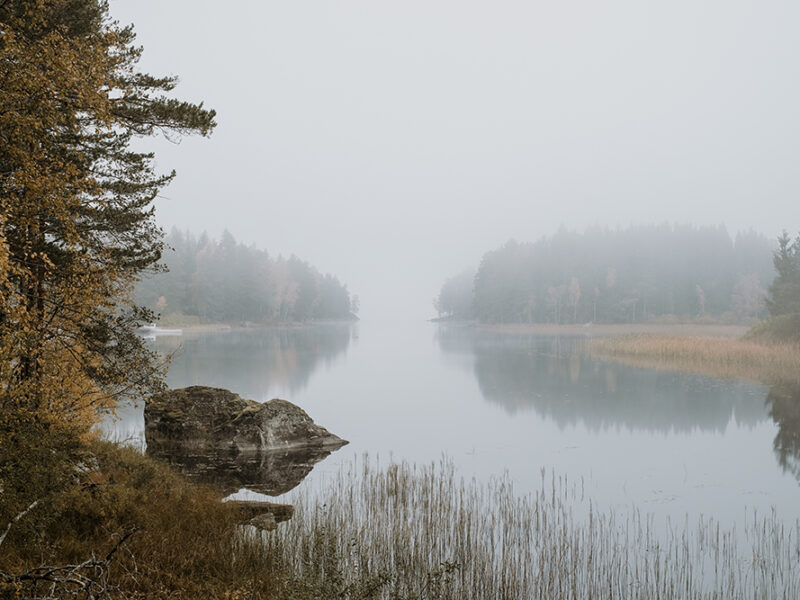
x,y
422,532
715,357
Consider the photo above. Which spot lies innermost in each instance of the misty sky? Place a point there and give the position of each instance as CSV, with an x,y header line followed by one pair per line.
x,y
393,142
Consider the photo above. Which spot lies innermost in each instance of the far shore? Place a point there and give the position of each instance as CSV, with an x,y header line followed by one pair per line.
x,y
616,329
713,350
188,329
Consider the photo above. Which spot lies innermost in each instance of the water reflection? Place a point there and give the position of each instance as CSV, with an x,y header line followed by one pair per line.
x,y
259,364
273,472
256,363
552,376
783,402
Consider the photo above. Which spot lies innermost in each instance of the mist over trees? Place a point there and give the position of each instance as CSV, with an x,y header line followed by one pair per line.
x,y
785,290
455,298
227,281
617,276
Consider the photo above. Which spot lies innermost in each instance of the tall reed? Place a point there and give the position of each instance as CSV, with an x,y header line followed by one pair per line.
x,y
716,357
422,532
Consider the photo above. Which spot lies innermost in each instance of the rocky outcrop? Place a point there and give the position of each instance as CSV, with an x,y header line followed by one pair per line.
x,y
205,418
214,436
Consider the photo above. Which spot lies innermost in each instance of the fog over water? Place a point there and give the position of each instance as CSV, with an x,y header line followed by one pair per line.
x,y
670,444
392,143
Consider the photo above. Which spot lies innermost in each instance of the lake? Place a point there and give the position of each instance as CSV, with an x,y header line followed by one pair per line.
x,y
668,444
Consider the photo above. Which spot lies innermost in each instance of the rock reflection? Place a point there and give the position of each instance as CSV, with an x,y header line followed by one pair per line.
x,y
272,472
554,377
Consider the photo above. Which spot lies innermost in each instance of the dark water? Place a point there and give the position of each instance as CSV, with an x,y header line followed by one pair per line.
x,y
665,443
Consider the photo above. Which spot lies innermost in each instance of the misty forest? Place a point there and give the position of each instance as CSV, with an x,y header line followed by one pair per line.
x,y
225,281
221,374
621,276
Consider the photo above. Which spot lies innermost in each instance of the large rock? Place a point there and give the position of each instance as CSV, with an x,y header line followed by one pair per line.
x,y
215,437
205,418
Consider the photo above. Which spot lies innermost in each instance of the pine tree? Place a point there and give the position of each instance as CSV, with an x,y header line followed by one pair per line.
x,y
785,290
76,215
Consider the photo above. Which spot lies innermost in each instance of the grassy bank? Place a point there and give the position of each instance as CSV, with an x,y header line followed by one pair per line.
x,y
179,537
616,329
399,532
763,361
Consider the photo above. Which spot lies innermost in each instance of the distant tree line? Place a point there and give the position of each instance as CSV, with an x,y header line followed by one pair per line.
x,y
785,290
455,297
617,276
227,281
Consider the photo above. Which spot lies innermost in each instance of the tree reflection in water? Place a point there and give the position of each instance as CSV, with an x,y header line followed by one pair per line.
x,y
257,363
783,403
553,376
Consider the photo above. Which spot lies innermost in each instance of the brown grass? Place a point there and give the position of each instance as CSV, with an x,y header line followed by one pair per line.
x,y
413,533
712,356
396,533
617,329
183,545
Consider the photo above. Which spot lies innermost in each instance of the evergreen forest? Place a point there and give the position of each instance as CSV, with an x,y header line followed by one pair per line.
x,y
227,281
617,276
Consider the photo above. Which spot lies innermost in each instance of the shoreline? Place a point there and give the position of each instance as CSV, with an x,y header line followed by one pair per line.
x,y
728,358
712,350
197,328
618,329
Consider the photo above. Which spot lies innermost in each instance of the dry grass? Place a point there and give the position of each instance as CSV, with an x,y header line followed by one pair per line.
x,y
400,532
712,356
183,545
618,329
409,532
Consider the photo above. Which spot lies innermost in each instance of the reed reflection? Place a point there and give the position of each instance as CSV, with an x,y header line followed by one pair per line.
x,y
554,377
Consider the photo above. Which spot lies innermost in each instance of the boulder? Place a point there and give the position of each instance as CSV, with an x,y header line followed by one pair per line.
x,y
265,522
211,419
216,437
262,515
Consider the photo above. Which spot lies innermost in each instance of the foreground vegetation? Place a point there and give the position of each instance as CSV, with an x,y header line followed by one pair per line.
x,y
129,527
179,539
76,231
411,532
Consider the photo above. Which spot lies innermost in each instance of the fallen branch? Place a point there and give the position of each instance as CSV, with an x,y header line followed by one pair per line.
x,y
16,519
88,579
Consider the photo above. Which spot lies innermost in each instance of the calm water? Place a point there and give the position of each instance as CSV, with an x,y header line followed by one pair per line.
x,y
666,443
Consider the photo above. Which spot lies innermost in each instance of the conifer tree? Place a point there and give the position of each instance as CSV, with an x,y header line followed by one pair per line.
x,y
76,215
785,290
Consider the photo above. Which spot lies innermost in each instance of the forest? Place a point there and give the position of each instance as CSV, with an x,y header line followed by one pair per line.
x,y
617,276
227,281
